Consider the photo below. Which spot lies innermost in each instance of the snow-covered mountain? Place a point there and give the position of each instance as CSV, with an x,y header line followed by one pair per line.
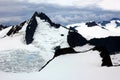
x,y
3,27
113,24
35,39
27,47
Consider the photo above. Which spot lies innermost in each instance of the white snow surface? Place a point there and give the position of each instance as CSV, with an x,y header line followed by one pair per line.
x,y
112,26
4,32
83,48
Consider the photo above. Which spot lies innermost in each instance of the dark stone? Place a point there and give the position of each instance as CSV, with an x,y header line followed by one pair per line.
x,y
55,25
44,17
30,30
106,60
3,26
47,19
112,44
62,34
64,51
10,31
56,48
115,19
15,29
75,39
90,24
118,23
104,23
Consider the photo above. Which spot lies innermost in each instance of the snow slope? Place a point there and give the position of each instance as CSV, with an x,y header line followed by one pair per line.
x,y
4,32
112,26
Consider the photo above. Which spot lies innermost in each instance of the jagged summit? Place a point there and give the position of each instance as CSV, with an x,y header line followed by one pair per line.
x,y
15,29
43,16
33,24
3,26
92,23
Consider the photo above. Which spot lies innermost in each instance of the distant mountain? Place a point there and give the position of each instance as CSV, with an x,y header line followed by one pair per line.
x,y
3,27
115,20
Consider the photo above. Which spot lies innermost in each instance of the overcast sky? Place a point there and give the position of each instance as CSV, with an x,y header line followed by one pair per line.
x,y
61,11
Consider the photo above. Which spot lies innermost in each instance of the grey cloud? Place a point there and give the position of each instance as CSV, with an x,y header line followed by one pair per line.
x,y
13,12
10,19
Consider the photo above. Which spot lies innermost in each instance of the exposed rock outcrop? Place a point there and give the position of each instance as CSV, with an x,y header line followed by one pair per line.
x,y
75,39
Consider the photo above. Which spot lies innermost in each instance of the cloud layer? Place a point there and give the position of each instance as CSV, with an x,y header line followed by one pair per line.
x,y
104,4
60,11
113,5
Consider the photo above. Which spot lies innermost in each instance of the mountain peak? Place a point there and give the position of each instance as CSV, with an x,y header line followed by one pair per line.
x,y
35,14
42,16
33,24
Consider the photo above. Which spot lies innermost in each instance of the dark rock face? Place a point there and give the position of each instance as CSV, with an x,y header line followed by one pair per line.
x,y
112,44
106,60
90,24
104,23
2,27
118,23
115,19
75,39
64,51
47,19
15,29
30,30
10,31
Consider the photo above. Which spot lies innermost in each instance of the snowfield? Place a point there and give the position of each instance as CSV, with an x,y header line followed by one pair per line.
x,y
81,66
